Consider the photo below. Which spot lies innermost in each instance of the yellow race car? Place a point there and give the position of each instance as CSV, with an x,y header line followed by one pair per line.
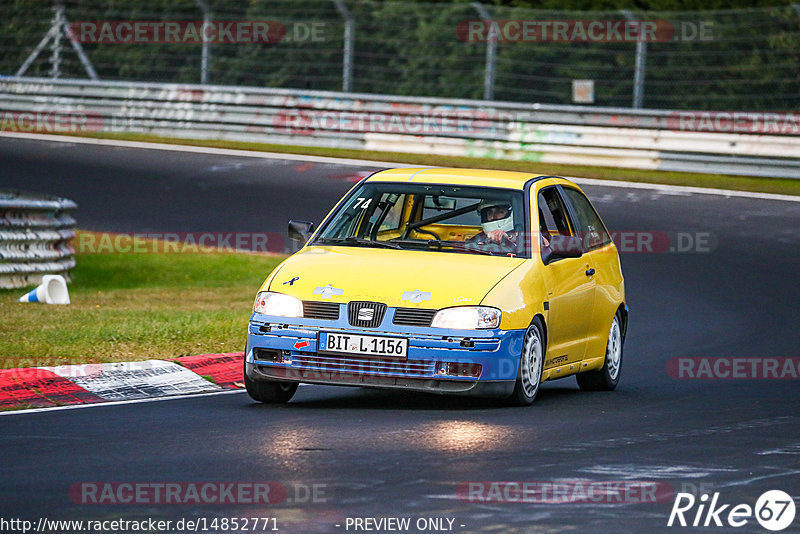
x,y
451,281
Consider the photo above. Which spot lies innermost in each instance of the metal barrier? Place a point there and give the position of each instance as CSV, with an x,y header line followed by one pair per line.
x,y
750,144
35,231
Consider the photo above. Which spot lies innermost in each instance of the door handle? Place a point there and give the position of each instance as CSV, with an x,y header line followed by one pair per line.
x,y
589,272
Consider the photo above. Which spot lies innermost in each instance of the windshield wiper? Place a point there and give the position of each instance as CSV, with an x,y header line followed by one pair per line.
x,y
459,246
353,240
369,242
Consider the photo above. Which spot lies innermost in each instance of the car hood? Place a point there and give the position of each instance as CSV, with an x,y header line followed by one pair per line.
x,y
399,278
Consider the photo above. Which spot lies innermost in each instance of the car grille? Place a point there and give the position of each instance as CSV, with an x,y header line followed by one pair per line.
x,y
365,314
353,365
328,311
413,316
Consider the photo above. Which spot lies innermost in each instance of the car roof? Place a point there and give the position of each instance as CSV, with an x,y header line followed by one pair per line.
x,y
453,176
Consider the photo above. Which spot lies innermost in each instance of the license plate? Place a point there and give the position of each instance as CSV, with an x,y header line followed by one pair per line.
x,y
389,347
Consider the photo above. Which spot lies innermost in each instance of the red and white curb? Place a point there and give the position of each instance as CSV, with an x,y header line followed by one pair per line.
x,y
43,387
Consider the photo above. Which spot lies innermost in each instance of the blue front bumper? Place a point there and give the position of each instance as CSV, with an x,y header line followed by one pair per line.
x,y
439,360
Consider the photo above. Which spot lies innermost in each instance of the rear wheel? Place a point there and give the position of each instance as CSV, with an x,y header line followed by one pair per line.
x,y
607,378
531,364
269,391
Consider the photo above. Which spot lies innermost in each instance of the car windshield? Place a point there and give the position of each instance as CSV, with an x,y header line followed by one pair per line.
x,y
454,219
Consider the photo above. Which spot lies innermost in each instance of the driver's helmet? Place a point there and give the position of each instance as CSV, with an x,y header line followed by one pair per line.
x,y
506,224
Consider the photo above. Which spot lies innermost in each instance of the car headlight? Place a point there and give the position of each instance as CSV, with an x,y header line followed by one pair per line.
x,y
467,318
270,303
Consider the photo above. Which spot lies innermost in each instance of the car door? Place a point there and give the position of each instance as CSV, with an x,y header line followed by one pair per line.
x,y
570,285
601,254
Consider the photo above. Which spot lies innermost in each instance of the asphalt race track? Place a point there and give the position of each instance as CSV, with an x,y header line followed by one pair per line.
x,y
377,454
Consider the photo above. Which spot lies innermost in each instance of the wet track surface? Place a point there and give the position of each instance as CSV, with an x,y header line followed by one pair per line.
x,y
398,454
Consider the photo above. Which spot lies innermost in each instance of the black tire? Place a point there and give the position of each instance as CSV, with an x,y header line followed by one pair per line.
x,y
270,391
531,366
607,378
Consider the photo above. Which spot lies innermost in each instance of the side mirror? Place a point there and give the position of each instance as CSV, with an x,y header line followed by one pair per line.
x,y
562,246
300,230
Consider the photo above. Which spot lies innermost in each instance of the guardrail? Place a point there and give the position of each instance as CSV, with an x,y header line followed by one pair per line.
x,y
35,231
750,144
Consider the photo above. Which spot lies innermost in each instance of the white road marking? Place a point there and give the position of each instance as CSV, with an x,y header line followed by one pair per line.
x,y
665,189
748,481
633,471
130,401
624,441
793,449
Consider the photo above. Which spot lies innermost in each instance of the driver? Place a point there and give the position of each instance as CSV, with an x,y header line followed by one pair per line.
x,y
497,223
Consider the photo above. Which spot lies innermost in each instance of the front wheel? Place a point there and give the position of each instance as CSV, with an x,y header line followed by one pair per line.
x,y
269,391
607,378
531,364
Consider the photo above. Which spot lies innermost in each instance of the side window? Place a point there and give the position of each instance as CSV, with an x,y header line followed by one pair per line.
x,y
390,216
553,219
552,213
590,228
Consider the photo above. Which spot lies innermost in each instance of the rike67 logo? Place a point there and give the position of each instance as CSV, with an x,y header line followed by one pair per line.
x,y
774,510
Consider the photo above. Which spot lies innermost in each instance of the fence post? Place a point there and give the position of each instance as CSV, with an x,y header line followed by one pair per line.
x,y
491,54
205,57
639,69
60,24
349,44
55,44
76,45
36,51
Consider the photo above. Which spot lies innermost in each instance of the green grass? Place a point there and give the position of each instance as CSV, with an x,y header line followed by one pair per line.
x,y
136,307
718,181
